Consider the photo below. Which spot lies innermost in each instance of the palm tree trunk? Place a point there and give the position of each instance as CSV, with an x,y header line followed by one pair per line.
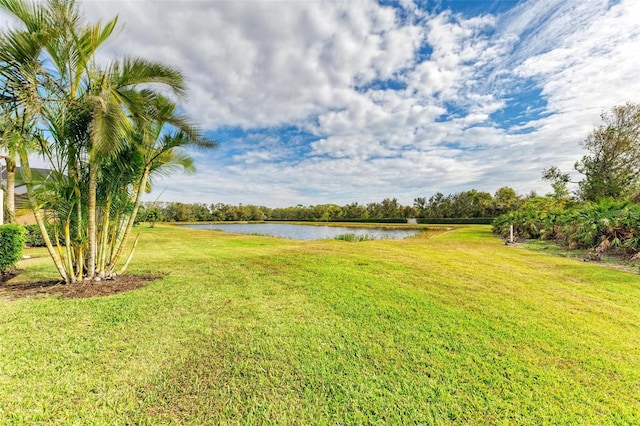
x,y
68,248
104,240
113,238
26,170
130,222
10,217
79,229
126,264
91,222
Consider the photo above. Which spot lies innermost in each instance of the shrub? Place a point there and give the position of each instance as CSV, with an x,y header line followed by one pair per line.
x,y
538,218
12,239
34,236
603,225
35,239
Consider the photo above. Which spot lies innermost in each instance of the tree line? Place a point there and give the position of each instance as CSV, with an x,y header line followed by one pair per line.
x,y
465,204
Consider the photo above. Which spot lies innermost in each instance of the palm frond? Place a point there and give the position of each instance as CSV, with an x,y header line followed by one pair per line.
x,y
137,71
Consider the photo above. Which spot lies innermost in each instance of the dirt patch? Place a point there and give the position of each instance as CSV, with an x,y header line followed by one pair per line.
x,y
619,260
73,291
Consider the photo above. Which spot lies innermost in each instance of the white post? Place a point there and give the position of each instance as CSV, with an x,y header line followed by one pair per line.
x,y
511,233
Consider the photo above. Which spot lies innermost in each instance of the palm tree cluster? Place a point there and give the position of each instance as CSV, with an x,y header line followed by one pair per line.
x,y
603,225
104,130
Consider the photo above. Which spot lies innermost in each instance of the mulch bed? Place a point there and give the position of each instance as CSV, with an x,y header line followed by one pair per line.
x,y
72,291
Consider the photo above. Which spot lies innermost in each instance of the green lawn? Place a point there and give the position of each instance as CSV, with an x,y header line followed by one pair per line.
x,y
452,328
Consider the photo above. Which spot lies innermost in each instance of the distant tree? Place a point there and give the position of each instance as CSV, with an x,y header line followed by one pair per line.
x,y
216,212
354,211
505,200
153,215
420,204
374,210
462,204
530,195
256,213
612,167
438,206
179,212
408,212
327,212
200,212
472,203
483,204
558,182
390,208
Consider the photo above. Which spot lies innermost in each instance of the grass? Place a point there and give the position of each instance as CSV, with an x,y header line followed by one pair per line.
x,y
453,327
353,238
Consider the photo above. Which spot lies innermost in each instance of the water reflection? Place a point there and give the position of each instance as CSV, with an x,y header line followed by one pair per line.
x,y
306,232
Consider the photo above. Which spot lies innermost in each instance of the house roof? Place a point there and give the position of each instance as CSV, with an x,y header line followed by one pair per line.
x,y
20,185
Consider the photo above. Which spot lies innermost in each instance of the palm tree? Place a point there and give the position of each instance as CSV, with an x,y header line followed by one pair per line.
x,y
90,113
157,138
17,134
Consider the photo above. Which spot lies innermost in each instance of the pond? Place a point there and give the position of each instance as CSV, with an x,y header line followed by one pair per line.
x,y
306,232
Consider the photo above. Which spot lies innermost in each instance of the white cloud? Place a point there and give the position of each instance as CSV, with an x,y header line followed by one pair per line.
x,y
389,105
266,63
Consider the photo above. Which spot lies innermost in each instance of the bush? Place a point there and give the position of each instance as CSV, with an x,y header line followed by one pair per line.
x,y
606,224
35,239
538,218
34,236
12,239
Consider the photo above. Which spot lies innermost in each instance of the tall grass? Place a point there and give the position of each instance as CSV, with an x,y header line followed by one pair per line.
x,y
351,237
453,328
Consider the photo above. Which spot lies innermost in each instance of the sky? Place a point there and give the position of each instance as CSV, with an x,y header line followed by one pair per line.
x,y
318,102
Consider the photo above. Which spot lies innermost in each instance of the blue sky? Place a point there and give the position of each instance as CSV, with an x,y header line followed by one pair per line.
x,y
339,101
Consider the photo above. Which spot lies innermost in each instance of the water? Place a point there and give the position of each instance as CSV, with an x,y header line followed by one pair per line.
x,y
306,232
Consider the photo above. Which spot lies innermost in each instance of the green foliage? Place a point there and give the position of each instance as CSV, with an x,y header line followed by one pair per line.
x,y
457,221
393,220
351,237
34,236
612,168
109,131
535,219
558,182
12,240
153,215
603,225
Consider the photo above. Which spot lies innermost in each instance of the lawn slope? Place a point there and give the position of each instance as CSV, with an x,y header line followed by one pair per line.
x,y
450,328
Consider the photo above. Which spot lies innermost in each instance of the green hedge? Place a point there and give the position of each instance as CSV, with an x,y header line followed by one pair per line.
x,y
457,221
395,220
428,221
34,236
12,239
